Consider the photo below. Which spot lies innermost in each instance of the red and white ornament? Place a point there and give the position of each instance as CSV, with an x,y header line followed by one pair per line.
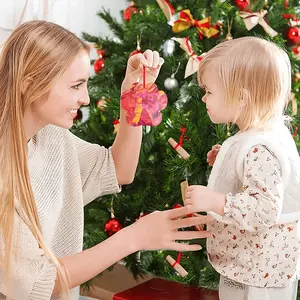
x,y
98,65
112,226
293,35
242,4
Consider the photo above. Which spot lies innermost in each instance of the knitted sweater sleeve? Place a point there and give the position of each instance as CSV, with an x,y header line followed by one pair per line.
x,y
32,274
97,169
260,204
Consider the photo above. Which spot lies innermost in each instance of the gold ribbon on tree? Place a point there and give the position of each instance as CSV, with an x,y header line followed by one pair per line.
x,y
251,19
193,63
186,20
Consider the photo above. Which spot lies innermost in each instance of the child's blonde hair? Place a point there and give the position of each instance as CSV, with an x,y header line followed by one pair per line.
x,y
256,77
36,54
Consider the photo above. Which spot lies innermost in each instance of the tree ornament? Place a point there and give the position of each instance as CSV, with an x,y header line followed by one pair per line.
x,y
129,11
242,4
169,47
113,225
101,53
143,103
116,124
293,35
101,104
171,83
138,47
98,65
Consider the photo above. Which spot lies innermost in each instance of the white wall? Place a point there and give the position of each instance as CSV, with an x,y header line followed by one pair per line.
x,y
75,15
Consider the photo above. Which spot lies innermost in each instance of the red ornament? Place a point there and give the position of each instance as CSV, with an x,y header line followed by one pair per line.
x,y
98,65
101,53
129,11
112,226
242,4
293,35
143,104
136,51
79,115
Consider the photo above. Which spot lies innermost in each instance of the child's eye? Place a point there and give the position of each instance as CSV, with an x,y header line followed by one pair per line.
x,y
207,92
77,86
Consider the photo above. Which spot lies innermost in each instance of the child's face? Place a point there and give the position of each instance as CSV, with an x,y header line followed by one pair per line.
x,y
214,98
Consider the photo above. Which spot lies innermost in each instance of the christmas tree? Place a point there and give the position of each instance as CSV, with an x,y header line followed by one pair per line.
x,y
182,31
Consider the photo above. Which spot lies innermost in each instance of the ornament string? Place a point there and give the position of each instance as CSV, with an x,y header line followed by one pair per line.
x,y
182,137
177,261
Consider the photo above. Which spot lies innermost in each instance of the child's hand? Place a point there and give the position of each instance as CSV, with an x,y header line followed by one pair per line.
x,y
150,59
212,154
159,230
204,199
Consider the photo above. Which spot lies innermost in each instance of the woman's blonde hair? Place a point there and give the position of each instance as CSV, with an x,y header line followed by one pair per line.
x,y
36,54
256,77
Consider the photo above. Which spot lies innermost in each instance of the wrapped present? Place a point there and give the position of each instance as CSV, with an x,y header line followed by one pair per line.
x,y
156,288
112,282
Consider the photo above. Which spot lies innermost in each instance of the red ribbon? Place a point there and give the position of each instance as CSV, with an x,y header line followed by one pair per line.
x,y
286,4
144,76
290,16
170,6
183,130
296,131
296,50
177,262
115,122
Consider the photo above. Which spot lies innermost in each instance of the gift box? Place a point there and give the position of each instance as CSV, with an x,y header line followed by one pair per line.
x,y
159,289
112,282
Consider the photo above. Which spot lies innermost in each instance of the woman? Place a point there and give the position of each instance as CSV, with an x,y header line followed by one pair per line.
x,y
48,174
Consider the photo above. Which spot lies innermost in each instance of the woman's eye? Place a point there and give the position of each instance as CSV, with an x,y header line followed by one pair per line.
x,y
77,86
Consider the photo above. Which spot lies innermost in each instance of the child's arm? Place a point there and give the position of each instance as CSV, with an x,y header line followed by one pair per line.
x,y
261,202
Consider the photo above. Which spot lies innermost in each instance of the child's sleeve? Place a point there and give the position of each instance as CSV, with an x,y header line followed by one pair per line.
x,y
260,204
97,169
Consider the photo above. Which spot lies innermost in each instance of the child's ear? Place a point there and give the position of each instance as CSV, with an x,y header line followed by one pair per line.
x,y
245,98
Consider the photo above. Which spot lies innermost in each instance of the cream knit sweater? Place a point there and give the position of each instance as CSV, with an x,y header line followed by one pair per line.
x,y
66,174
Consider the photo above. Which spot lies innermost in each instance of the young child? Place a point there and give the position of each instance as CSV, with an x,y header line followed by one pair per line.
x,y
253,190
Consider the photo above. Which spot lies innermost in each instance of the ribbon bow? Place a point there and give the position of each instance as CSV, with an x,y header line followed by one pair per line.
x,y
166,8
251,19
186,20
193,63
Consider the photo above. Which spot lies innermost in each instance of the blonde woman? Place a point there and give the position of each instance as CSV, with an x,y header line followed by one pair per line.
x,y
254,187
48,174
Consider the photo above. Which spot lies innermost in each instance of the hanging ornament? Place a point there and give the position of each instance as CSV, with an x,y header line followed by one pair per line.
x,y
286,4
101,104
168,47
129,11
101,53
296,51
116,124
113,225
293,35
186,20
176,265
228,35
171,83
178,146
228,130
138,47
143,103
98,65
251,19
79,115
193,62
168,10
242,4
